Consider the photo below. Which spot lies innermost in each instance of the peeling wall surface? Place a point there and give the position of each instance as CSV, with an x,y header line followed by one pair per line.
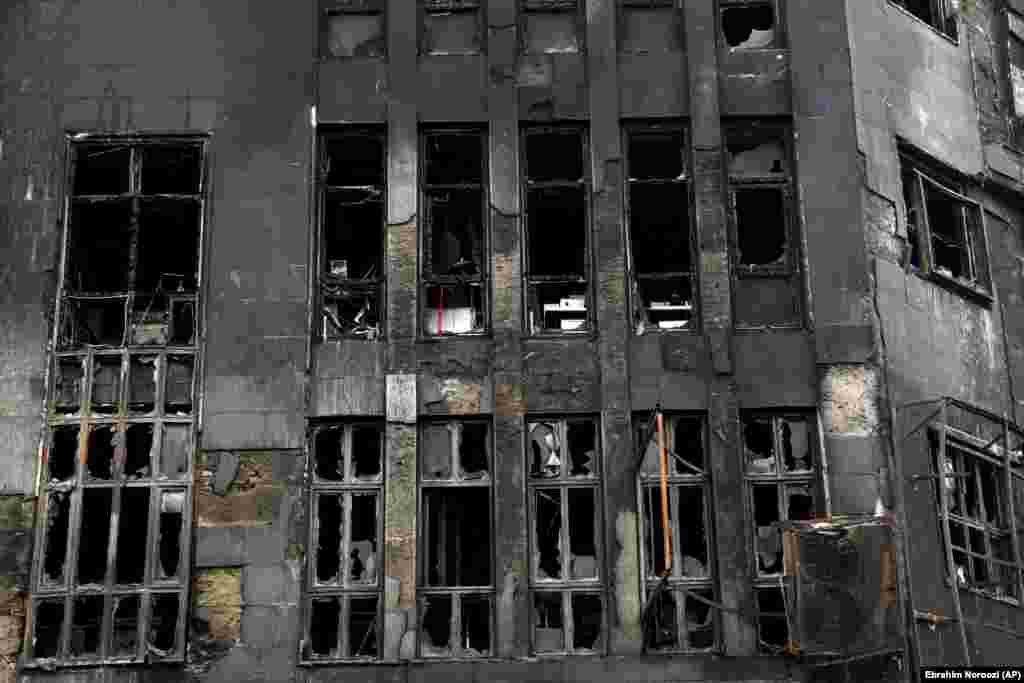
x,y
800,413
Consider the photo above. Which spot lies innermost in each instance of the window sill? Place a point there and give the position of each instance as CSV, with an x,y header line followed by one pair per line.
x,y
966,290
781,327
436,338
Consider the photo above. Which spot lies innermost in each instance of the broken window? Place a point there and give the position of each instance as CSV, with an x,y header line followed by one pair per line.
x,y
551,26
451,27
353,29
557,245
978,515
346,474
352,193
781,481
563,460
649,27
455,252
945,231
675,620
939,14
456,585
750,24
772,625
114,529
1015,76
765,256
658,216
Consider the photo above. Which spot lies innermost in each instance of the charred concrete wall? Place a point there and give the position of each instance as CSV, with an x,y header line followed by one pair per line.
x,y
915,87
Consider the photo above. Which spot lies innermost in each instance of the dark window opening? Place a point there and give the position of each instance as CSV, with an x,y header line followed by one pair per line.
x,y
351,34
362,627
352,234
437,625
63,454
761,227
769,543
330,464
125,629
749,26
86,620
93,322
759,445
58,512
582,532
171,169
133,526
549,533
142,384
163,624
183,321
476,624
458,536
456,232
473,450
49,622
949,234
328,539
326,613
102,169
172,509
582,439
168,249
772,631
138,449
660,227
68,385
549,623
100,452
99,256
97,506
557,308
586,621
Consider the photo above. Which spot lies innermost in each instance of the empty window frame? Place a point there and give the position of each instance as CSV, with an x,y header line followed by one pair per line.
x,y
658,220
979,508
781,477
1015,76
352,29
551,26
111,554
451,27
456,576
765,248
455,249
649,27
751,24
343,600
945,228
557,239
941,15
352,216
567,589
676,620
131,266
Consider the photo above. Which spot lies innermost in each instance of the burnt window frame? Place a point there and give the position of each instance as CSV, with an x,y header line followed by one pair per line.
x,y
779,41
765,583
344,590
791,268
425,591
631,129
944,18
566,587
626,6
323,280
647,489
572,7
114,412
426,8
427,277
919,175
1006,477
332,8
531,281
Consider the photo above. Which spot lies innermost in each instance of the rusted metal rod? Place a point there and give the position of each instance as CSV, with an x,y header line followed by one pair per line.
x,y
666,531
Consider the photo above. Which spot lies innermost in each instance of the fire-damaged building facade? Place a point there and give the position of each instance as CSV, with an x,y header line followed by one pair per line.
x,y
510,340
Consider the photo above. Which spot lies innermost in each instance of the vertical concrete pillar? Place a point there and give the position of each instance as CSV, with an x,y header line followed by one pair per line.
x,y
622,559
512,576
734,573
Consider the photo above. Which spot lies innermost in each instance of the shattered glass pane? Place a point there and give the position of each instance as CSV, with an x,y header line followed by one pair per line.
x,y
132,529
990,495
362,561
353,235
138,451
700,622
759,445
582,533
49,621
93,322
102,169
794,433
761,226
662,623
163,624
687,444
772,631
653,532
124,633
586,621
582,438
751,156
549,624
749,27
362,627
68,385
176,451
799,503
545,449
92,556
456,230
458,536
435,640
768,538
946,223
351,312
323,627
171,169
691,534
328,550
62,458
476,626
328,455
106,384
99,250
473,449
86,624
366,453
58,511
100,452
548,531
142,384
436,451
172,510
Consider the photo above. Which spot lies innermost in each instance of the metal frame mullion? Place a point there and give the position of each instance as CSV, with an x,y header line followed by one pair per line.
x,y
1009,511
342,643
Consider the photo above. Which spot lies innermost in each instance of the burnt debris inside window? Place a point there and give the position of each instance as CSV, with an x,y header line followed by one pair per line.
x,y
945,233
451,27
557,247
661,255
353,29
749,25
563,460
455,249
456,587
550,26
119,405
353,209
764,251
939,14
672,623
781,484
346,475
